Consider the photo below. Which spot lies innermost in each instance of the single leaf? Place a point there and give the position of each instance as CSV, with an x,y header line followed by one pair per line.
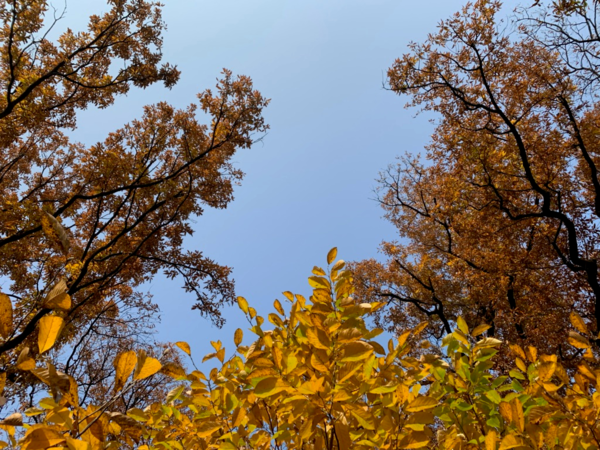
x,y
14,420
237,337
480,329
25,361
58,298
146,366
54,230
364,418
173,370
184,346
577,340
356,351
490,440
269,386
124,364
49,329
243,304
41,439
331,255
578,323
6,316
462,325
421,403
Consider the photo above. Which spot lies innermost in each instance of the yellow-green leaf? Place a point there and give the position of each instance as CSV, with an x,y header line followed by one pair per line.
x,y
269,386
49,329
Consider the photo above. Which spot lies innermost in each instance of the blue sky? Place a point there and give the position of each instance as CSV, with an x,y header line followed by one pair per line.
x,y
309,183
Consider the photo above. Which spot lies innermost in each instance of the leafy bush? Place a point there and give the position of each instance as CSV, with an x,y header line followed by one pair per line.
x,y
318,379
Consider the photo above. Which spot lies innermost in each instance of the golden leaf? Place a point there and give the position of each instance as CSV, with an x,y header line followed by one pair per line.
x,y
237,337
6,316
577,340
58,298
146,366
184,346
421,403
25,361
578,323
462,325
331,255
124,364
490,440
41,439
356,351
49,329
243,304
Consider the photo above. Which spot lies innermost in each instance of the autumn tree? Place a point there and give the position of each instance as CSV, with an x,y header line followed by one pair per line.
x,y
498,222
83,227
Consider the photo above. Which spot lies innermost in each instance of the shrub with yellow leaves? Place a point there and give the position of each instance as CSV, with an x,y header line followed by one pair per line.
x,y
316,378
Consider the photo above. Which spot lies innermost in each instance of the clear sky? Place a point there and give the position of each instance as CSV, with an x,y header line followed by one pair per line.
x,y
309,184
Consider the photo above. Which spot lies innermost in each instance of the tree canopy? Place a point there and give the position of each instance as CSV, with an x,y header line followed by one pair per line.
x,y
83,227
499,221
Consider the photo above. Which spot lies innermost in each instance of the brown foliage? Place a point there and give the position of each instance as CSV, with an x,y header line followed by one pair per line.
x,y
97,222
500,224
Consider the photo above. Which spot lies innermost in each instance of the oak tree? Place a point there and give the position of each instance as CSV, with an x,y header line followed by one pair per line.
x,y
499,222
82,228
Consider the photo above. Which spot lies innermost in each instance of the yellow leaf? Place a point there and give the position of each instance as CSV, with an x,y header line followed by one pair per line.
x,y
342,432
278,307
173,370
41,439
532,353
577,340
58,298
480,329
25,361
578,323
517,414
124,364
546,370
462,325
243,304
237,337
364,418
356,351
6,316
517,350
49,329
76,444
421,403
490,440
146,366
331,255
269,386
184,346
318,338
511,441
506,411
